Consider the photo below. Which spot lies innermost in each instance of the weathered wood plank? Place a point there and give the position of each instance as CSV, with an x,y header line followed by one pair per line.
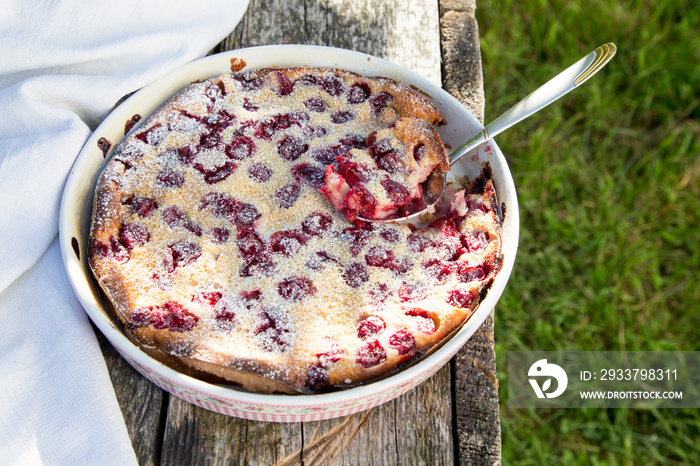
x,y
196,436
477,422
141,402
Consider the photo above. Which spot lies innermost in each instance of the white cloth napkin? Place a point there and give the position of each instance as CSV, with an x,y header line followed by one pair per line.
x,y
63,65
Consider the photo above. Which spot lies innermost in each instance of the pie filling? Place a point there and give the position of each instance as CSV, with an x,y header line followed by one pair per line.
x,y
226,238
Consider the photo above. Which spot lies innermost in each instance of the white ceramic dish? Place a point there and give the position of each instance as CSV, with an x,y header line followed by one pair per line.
x,y
76,208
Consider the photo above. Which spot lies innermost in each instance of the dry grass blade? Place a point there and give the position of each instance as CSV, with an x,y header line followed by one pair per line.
x,y
324,449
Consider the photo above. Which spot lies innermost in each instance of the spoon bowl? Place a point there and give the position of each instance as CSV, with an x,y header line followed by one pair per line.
x,y
555,88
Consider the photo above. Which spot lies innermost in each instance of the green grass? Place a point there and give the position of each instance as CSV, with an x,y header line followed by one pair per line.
x,y
608,180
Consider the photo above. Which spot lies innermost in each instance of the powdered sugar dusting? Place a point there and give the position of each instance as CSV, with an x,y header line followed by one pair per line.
x,y
213,205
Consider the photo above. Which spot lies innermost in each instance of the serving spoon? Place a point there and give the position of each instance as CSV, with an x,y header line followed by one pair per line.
x,y
557,87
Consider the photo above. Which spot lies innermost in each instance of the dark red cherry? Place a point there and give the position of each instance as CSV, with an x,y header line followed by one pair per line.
x,y
355,274
225,319
104,145
288,242
142,206
181,254
170,316
397,192
342,117
419,152
370,327
316,223
316,104
174,217
259,172
207,297
284,85
291,148
220,235
240,148
308,174
403,341
250,243
314,131
380,101
216,174
249,81
287,195
461,299
296,288
378,256
133,235
170,178
334,85
358,93
371,354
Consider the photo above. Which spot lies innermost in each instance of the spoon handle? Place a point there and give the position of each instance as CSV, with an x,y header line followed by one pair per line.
x,y
560,85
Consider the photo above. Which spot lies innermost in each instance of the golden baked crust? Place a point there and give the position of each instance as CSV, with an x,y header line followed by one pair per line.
x,y
220,255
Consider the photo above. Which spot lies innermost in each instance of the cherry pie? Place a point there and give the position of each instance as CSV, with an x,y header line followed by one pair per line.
x,y
222,231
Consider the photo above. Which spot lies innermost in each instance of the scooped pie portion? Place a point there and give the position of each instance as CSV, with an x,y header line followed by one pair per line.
x,y
222,231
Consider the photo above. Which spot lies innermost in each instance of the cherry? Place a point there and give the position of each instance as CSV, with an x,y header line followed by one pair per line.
x,y
250,243
219,235
358,238
170,316
316,223
308,174
288,242
437,269
287,195
142,206
249,81
207,297
317,377
225,319
380,101
371,354
378,256
353,172
403,341
258,265
170,178
389,235
251,295
152,135
425,323
461,299
186,155
216,174
181,254
316,104
476,241
273,330
469,273
219,204
355,274
249,105
419,152
245,214
174,217
358,93
133,235
259,172
398,193
325,154
369,327
284,85
179,121
209,140
333,85
306,80
296,288
314,131
419,243
390,163
360,200
342,117
240,148
291,148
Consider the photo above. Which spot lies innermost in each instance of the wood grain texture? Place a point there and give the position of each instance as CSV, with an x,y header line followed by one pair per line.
x,y
477,423
142,404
